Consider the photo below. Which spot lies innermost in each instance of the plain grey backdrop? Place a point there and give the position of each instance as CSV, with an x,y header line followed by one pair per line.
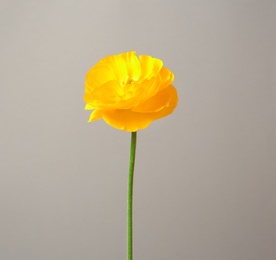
x,y
205,176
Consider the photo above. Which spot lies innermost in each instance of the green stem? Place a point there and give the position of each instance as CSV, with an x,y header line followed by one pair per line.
x,y
130,193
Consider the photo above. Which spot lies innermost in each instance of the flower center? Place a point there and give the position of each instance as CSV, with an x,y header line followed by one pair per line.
x,y
127,81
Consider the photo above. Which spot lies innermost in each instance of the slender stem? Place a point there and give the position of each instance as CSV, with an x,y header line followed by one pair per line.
x,y
130,193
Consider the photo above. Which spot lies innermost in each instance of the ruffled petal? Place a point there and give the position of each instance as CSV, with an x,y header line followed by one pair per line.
x,y
148,88
129,93
107,94
131,121
150,67
161,100
99,75
167,77
133,66
121,65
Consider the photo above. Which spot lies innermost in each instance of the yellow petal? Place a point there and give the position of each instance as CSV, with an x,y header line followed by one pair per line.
x,y
107,94
133,65
99,75
148,88
95,115
118,65
129,93
126,120
89,107
149,66
167,78
131,121
161,100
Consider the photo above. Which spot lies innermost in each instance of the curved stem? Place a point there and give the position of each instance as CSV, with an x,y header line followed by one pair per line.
x,y
130,193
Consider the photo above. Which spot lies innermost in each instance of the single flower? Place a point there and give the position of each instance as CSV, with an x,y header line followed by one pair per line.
x,y
128,92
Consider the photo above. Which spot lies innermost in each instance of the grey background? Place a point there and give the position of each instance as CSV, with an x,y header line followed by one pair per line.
x,y
205,176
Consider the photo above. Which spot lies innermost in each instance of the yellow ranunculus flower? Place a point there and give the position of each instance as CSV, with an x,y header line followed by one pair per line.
x,y
129,93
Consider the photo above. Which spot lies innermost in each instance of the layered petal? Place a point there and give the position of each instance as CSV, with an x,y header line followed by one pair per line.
x,y
132,65
129,93
131,121
150,67
107,94
167,77
98,75
162,99
148,88
117,64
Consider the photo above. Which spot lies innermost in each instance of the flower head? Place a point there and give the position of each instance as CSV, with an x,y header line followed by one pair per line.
x,y
128,92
